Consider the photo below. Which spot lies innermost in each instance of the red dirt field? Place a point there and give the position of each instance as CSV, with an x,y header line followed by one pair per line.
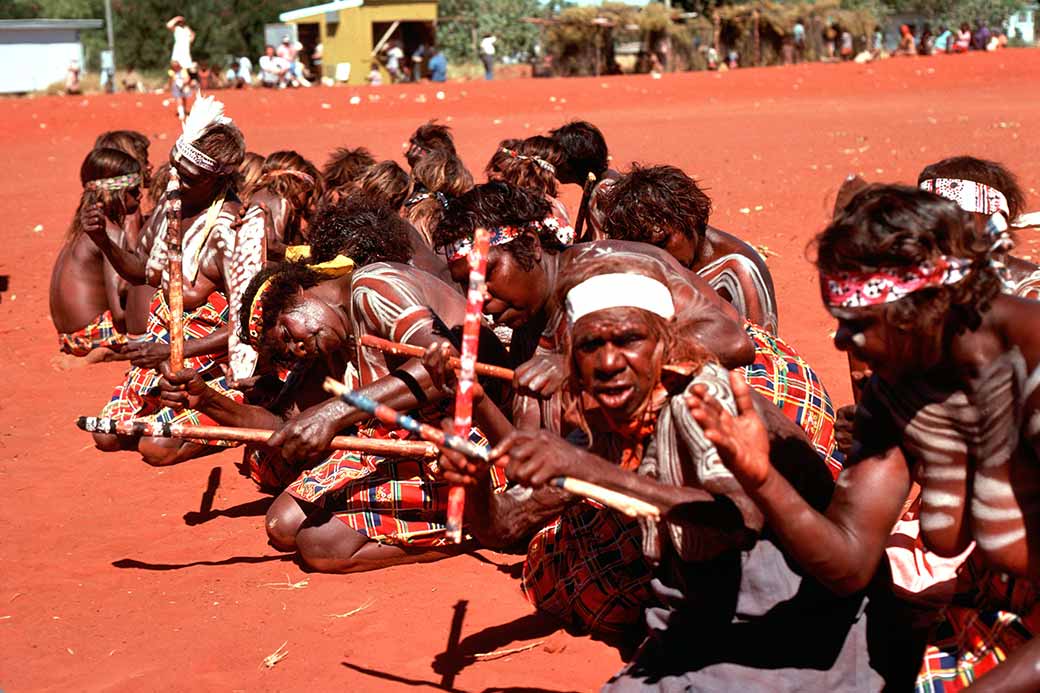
x,y
117,576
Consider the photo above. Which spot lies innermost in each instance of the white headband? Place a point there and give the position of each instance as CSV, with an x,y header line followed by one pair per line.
x,y
968,194
606,291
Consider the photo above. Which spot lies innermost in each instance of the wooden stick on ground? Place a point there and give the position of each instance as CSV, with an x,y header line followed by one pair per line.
x,y
153,429
401,349
175,285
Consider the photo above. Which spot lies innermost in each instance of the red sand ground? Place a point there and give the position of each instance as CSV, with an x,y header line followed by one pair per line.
x,y
114,580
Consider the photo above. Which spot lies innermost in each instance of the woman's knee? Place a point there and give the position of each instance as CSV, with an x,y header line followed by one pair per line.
x,y
159,452
328,551
283,521
107,442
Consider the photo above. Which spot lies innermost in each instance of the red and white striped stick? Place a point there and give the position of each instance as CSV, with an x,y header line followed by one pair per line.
x,y
467,361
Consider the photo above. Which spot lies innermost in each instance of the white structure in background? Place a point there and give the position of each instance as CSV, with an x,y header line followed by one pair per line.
x,y
36,52
1024,22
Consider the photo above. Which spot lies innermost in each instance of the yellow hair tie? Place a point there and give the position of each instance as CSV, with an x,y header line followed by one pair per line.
x,y
338,266
297,252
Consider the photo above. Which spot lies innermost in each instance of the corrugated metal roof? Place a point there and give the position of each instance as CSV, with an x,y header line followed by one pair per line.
x,y
319,9
36,24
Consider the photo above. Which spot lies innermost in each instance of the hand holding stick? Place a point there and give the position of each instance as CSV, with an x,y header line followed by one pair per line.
x,y
633,507
175,285
401,349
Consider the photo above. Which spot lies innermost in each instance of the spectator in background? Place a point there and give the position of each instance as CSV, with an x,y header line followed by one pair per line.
x,y
417,60
182,39
487,55
182,89
963,39
944,41
438,65
245,71
980,41
132,80
231,80
72,78
316,62
846,45
907,45
394,56
927,43
205,76
375,77
798,32
274,70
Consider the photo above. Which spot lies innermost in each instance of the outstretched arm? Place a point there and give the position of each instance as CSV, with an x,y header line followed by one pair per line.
x,y
843,546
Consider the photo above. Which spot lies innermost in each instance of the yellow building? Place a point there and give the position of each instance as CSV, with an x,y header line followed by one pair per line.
x,y
352,32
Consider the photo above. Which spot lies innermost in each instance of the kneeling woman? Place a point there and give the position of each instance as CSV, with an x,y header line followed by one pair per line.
x,y
724,600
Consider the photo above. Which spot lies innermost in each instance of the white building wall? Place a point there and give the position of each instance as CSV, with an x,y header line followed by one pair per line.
x,y
36,58
1024,22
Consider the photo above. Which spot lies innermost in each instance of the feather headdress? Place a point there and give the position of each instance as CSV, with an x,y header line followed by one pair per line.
x,y
206,112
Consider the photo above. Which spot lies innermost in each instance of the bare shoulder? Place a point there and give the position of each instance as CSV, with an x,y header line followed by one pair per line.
x,y
726,243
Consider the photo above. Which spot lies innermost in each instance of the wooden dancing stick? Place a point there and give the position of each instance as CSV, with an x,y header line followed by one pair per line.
x,y
175,285
392,417
154,429
467,365
586,195
401,349
633,507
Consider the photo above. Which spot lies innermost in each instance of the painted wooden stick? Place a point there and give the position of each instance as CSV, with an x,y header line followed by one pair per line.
x,y
401,349
392,417
633,507
583,207
175,285
155,429
467,365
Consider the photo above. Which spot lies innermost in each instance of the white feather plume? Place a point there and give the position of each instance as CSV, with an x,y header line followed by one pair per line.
x,y
206,111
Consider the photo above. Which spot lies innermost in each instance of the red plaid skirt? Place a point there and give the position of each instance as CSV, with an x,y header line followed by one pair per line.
x,y
971,641
782,376
101,332
587,569
137,397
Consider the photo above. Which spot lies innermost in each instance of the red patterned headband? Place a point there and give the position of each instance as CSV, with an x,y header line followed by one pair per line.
x,y
969,195
500,235
862,289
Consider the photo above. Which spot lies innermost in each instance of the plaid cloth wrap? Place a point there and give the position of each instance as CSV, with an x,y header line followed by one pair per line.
x,y
782,376
137,397
101,332
969,642
389,500
587,568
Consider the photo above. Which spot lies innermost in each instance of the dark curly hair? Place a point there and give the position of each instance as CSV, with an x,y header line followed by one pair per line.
x,y
498,204
886,226
648,204
983,171
288,279
429,137
362,231
584,148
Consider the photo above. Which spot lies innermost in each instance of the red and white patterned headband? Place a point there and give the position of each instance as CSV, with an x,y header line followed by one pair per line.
x,y
862,289
500,235
969,195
